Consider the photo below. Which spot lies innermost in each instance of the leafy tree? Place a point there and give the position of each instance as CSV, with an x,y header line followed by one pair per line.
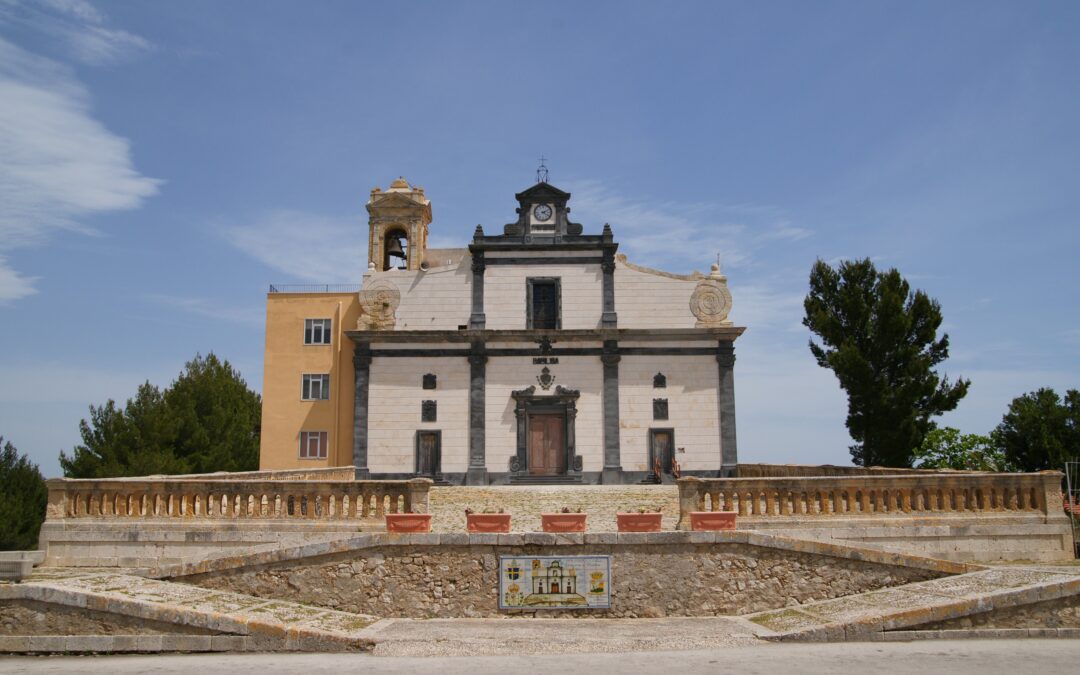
x,y
947,448
880,339
208,420
1040,430
22,500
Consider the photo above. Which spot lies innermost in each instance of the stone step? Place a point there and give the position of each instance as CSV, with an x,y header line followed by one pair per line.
x,y
545,480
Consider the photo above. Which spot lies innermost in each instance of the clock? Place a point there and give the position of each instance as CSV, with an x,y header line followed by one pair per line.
x,y
541,212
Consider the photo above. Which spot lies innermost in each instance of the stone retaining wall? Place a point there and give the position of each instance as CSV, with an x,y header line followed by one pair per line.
x,y
1059,613
29,617
648,580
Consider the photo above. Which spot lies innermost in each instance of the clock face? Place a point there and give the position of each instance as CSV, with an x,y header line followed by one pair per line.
x,y
542,212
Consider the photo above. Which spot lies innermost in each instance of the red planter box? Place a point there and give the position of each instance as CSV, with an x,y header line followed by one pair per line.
x,y
487,522
563,522
712,520
408,522
639,522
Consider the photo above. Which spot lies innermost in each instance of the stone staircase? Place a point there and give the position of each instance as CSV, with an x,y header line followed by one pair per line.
x,y
545,480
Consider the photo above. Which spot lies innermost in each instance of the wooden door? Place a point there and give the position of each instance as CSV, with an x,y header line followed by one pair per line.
x,y
663,447
427,453
547,450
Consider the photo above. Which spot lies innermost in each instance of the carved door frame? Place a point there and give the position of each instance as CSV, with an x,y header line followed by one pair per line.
x,y
563,401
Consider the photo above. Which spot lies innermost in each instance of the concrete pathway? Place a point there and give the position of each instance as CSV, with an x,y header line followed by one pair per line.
x,y
986,657
861,617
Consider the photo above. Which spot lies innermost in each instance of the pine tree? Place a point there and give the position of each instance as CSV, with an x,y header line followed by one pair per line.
x,y
880,339
22,500
1040,431
207,421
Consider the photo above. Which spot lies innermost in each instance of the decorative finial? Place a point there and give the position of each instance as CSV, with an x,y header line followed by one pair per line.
x,y
542,171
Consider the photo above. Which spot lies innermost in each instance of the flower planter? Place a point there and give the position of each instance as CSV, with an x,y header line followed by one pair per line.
x,y
17,565
488,522
712,520
408,522
639,522
563,522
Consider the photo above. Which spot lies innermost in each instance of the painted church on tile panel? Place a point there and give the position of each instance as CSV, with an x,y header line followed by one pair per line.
x,y
535,355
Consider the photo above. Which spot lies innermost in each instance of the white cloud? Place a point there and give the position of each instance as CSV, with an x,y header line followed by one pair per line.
x,y
209,308
673,235
60,164
13,286
79,25
305,246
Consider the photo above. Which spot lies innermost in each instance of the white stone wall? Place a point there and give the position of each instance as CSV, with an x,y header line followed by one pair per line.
x,y
395,395
693,409
645,300
440,299
505,293
506,374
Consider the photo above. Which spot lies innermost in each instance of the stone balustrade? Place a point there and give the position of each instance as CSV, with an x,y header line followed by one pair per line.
x,y
881,496
220,499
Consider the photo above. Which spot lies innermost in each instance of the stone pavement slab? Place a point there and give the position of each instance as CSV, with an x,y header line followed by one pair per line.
x,y
507,636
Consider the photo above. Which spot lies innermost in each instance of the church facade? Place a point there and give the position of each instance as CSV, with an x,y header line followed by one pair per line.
x,y
536,355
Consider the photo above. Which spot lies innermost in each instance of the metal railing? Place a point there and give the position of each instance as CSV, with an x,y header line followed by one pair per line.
x,y
314,288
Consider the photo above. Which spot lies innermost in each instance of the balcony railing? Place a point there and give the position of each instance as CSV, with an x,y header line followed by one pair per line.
x,y
234,499
314,288
882,496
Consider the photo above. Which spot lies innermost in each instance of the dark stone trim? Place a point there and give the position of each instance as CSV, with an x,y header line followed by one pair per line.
x,y
527,402
464,336
477,320
477,473
555,351
362,366
729,450
612,462
546,260
503,477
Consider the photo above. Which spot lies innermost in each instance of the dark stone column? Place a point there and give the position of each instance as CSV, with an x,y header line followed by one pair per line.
x,y
729,454
362,366
609,319
477,320
612,463
477,472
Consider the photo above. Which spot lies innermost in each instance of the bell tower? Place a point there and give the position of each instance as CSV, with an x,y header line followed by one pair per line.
x,y
398,226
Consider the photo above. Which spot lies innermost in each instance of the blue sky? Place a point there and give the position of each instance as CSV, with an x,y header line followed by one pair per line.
x,y
162,163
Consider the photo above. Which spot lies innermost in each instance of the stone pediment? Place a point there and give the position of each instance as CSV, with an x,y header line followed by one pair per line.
x,y
542,192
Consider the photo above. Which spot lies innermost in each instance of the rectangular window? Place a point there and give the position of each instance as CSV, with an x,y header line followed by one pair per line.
x,y
543,303
317,331
313,445
315,387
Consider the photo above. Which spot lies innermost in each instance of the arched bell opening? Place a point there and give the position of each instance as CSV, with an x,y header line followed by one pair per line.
x,y
395,249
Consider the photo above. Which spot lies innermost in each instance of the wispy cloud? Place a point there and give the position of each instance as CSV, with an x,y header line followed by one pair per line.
x,y
305,246
77,24
59,164
667,234
209,308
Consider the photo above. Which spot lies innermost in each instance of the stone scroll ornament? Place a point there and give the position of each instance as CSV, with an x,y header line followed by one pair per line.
x,y
711,300
379,301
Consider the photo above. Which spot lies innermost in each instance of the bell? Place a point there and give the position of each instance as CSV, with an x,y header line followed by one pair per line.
x,y
394,249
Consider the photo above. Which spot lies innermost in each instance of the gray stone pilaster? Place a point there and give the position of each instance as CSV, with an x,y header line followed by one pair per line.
x,y
612,473
477,471
477,319
609,319
729,450
362,367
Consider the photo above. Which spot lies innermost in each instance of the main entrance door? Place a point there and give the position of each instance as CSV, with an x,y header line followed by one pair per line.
x,y
547,444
